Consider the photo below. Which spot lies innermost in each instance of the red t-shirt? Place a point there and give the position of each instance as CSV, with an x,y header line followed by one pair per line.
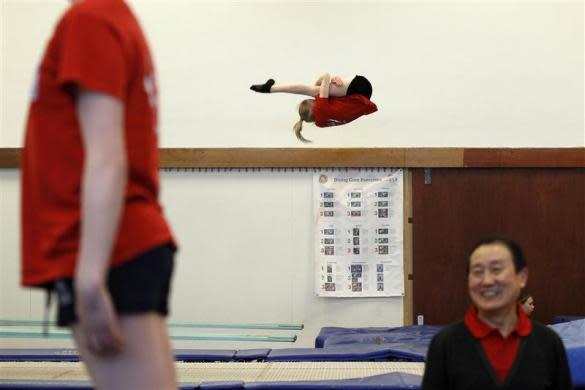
x,y
501,352
98,45
335,111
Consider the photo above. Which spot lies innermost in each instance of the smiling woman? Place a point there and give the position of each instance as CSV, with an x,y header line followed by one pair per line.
x,y
526,301
497,331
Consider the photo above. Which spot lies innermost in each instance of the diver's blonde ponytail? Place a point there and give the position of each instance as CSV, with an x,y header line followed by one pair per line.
x,y
306,115
298,127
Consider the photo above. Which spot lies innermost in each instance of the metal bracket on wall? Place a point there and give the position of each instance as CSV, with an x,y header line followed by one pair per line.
x,y
428,176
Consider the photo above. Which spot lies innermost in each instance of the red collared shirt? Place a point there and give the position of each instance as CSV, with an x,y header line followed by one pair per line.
x,y
500,351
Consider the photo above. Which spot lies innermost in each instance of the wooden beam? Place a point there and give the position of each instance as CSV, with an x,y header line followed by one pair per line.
x,y
9,157
356,157
281,158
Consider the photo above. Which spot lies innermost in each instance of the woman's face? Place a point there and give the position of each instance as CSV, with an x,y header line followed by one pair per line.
x,y
493,283
528,306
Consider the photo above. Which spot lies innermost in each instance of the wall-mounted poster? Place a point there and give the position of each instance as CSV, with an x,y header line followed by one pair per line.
x,y
359,232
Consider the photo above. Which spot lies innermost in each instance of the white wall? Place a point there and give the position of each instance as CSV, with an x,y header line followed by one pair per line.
x,y
445,73
246,256
458,73
247,253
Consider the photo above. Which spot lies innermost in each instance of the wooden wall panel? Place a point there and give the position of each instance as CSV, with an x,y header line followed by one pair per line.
x,y
543,209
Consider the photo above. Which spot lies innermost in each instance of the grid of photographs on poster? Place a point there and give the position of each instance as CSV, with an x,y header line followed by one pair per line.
x,y
359,233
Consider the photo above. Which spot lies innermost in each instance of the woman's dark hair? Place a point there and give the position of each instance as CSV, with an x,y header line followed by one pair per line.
x,y
524,295
513,247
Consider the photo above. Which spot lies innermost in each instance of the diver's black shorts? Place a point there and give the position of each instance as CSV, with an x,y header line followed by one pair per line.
x,y
360,86
140,285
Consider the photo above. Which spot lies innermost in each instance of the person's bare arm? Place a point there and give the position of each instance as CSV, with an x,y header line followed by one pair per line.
x,y
325,83
102,198
320,80
335,80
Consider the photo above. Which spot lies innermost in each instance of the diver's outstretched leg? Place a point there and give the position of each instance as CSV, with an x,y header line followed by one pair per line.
x,y
298,89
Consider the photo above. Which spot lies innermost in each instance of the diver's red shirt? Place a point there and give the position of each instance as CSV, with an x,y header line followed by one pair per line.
x,y
335,111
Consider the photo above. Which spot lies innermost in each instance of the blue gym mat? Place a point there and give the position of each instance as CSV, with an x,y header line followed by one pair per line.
x,y
573,336
391,381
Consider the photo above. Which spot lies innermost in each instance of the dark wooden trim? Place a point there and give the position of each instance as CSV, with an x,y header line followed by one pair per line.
x,y
356,157
525,158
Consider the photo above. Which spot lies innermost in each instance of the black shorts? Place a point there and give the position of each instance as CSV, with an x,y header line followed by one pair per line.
x,y
360,86
140,285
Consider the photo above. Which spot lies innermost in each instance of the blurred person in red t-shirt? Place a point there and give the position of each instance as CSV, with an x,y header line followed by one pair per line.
x,y
93,231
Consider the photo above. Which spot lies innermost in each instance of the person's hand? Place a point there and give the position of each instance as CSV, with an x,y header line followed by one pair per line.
x,y
97,319
336,80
